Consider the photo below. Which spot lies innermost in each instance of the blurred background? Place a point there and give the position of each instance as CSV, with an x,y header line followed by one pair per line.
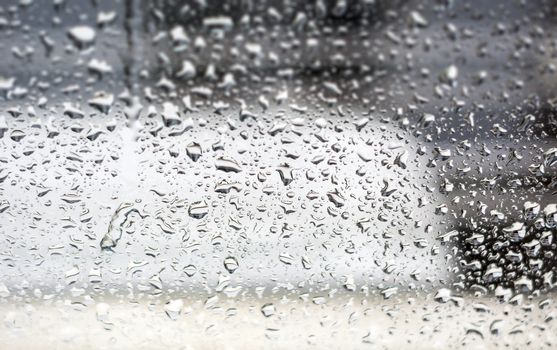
x,y
277,174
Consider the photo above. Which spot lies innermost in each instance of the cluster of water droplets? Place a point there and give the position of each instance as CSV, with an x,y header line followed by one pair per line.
x,y
366,158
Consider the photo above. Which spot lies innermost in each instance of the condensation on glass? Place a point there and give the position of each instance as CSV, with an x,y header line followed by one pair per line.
x,y
278,174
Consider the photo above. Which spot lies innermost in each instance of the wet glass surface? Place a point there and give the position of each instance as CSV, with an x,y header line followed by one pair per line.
x,y
277,174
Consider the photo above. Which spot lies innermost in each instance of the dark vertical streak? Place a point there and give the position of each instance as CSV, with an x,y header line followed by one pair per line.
x,y
128,56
